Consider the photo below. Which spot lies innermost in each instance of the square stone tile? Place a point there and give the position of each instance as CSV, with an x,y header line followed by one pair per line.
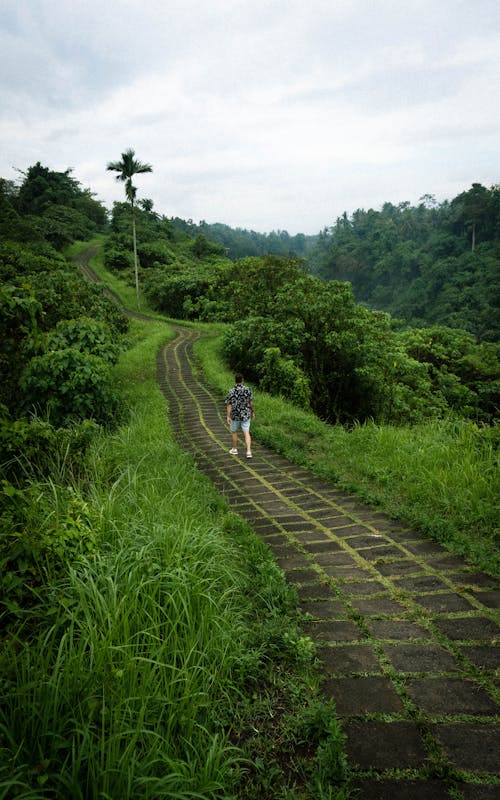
x,y
266,528
337,558
384,551
420,658
296,523
367,540
421,583
281,548
332,631
402,567
393,526
301,535
369,513
283,516
378,606
292,561
474,791
255,518
364,695
425,548
384,745
327,512
447,562
397,629
479,580
362,588
483,656
344,531
348,658
346,573
317,591
402,790
292,489
450,697
306,575
313,505
444,603
488,599
469,628
470,746
321,547
336,522
266,500
403,535
323,609
270,538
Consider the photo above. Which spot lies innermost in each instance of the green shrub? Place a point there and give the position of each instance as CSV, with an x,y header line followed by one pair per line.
x,y
86,335
117,259
283,378
175,293
155,253
69,385
43,528
20,315
65,294
21,259
30,448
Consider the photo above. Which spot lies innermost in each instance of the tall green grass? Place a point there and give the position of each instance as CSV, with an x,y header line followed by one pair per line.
x,y
129,677
442,476
112,694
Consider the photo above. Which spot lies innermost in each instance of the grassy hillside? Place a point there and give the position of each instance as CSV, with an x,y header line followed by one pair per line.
x,y
143,662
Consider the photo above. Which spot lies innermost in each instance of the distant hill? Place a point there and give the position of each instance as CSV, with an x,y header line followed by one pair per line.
x,y
426,264
240,242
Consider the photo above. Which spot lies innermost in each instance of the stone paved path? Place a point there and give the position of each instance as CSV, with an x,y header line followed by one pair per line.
x,y
408,634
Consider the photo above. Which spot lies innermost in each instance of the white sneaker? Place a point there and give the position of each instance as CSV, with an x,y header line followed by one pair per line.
x,y
249,455
233,451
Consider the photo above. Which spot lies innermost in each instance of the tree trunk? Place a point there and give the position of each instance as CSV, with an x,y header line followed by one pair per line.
x,y
136,268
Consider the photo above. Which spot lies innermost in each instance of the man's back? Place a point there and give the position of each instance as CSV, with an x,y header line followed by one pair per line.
x,y
239,398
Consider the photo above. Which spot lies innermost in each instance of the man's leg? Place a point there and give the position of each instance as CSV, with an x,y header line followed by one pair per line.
x,y
248,441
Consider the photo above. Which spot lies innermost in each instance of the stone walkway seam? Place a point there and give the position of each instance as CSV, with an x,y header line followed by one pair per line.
x,y
407,633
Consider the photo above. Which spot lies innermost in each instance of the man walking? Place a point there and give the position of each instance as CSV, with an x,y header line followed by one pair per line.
x,y
239,413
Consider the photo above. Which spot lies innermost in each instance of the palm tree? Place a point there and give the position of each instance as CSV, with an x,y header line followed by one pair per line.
x,y
127,168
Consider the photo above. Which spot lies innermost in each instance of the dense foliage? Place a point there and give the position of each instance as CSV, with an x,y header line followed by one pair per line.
x,y
47,308
430,264
240,242
307,339
59,340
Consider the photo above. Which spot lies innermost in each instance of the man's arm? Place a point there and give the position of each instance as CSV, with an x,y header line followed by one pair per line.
x,y
228,413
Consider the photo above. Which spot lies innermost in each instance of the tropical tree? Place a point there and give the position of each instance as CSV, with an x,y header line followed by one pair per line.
x,y
126,169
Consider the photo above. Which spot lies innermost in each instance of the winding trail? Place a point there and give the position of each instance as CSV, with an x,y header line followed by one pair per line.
x,y
407,632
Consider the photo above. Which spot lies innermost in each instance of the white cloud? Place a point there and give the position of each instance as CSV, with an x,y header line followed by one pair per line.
x,y
271,114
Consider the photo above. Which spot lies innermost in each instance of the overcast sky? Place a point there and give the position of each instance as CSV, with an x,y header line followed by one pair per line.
x,y
261,114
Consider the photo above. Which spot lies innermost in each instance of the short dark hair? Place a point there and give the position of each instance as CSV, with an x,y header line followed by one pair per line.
x,y
238,378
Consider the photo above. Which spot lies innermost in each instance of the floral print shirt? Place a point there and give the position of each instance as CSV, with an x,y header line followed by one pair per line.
x,y
239,398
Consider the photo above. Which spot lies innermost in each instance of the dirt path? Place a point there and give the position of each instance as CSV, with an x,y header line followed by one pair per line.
x,y
408,634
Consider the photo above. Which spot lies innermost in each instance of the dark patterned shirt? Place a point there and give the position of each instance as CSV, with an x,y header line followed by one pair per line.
x,y
239,398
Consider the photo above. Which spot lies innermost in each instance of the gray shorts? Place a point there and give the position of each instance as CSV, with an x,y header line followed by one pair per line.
x,y
239,425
